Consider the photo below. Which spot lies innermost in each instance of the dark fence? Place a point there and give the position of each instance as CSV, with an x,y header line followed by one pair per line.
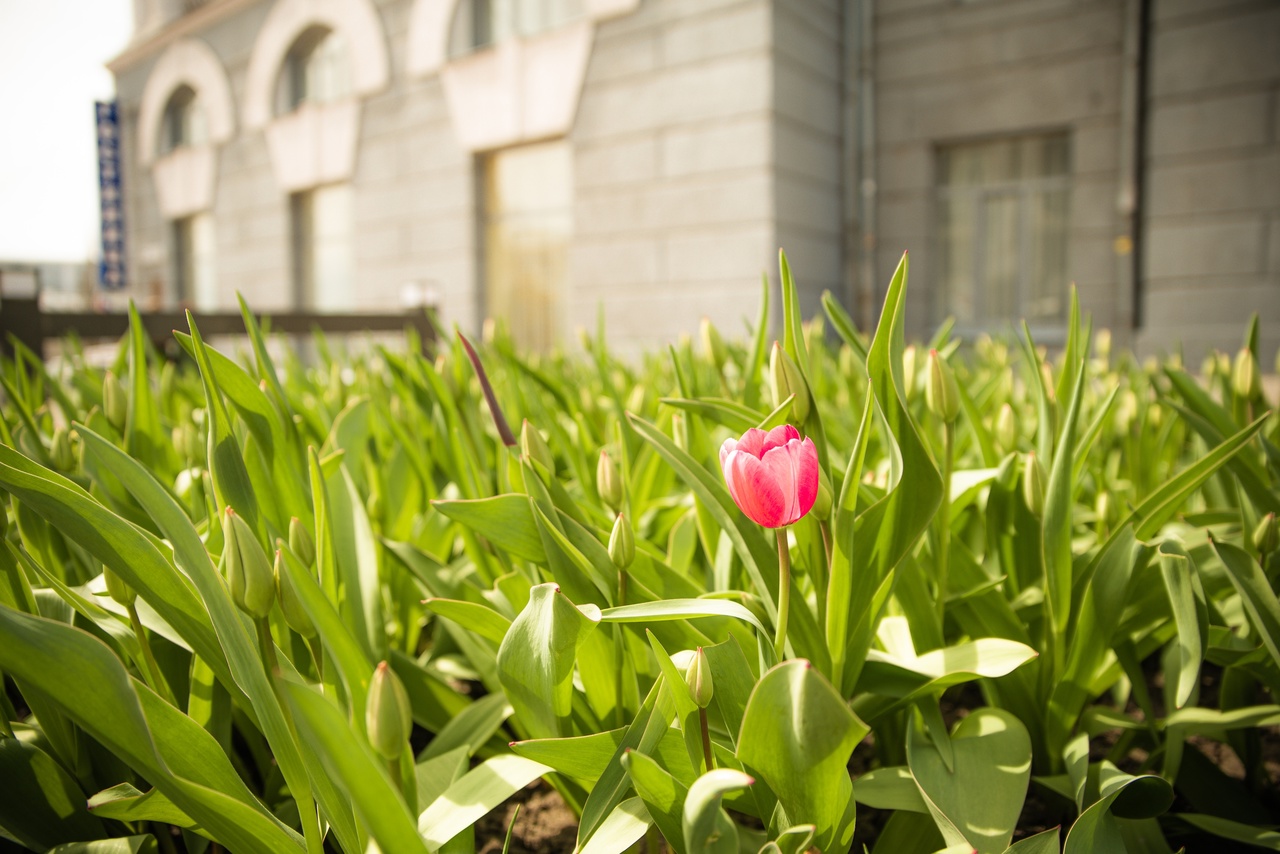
x,y
23,320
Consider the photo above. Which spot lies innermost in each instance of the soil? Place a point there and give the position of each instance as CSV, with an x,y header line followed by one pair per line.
x,y
544,824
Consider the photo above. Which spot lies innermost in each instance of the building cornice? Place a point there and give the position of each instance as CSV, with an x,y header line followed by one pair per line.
x,y
188,24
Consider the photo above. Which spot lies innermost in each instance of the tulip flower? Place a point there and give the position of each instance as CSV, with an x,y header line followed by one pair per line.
x,y
773,476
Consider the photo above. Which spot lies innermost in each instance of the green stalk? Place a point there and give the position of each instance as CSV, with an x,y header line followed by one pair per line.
x,y
310,821
944,530
317,656
784,594
620,653
155,677
706,741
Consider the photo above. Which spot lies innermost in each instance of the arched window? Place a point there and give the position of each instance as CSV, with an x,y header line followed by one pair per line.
x,y
184,122
481,23
316,70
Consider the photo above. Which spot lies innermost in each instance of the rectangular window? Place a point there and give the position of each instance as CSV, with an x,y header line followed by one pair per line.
x,y
527,222
195,254
1002,214
323,254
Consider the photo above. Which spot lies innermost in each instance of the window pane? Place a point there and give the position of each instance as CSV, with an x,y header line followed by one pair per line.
x,y
324,259
528,223
1002,215
1000,256
1047,223
956,253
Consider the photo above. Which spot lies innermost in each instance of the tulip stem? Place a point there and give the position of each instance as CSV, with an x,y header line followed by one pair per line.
x,y
158,683
944,529
620,654
706,740
784,594
306,806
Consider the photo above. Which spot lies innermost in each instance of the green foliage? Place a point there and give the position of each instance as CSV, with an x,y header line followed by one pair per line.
x,y
1033,567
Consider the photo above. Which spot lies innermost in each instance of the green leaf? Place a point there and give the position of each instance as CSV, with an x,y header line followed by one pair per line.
x,y
1259,837
889,789
1098,830
707,827
471,616
504,520
1255,592
87,682
1058,507
1046,842
352,764
471,727
663,796
40,804
621,829
797,736
1190,613
479,791
123,845
143,436
535,661
980,800
126,803
680,609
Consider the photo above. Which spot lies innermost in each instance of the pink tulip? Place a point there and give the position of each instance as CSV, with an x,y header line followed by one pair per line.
x,y
773,477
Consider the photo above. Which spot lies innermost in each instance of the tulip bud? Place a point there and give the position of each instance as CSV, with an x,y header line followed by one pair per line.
x,y
637,399
1155,416
910,370
1246,379
114,405
168,372
1102,344
64,459
942,394
248,570
609,482
533,446
1266,537
117,589
1209,366
1006,429
1102,506
1126,411
822,504
622,545
698,678
388,718
294,614
1033,484
785,380
301,543
712,344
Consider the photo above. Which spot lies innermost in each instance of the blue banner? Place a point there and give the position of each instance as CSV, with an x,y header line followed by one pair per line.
x,y
111,269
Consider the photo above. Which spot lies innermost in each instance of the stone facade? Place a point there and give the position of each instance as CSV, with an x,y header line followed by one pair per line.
x,y
706,134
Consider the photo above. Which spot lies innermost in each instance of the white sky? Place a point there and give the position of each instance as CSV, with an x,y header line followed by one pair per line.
x,y
51,71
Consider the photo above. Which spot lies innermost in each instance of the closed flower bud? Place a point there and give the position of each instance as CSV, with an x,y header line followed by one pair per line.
x,y
1155,416
1006,429
1102,344
114,405
1209,366
638,398
785,380
1126,411
698,678
1267,535
1102,506
388,718
294,614
609,482
117,589
1033,484
1246,379
712,344
64,459
942,394
622,545
248,570
533,446
910,370
301,542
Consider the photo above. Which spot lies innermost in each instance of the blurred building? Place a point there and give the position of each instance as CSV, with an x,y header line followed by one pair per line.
x,y
538,159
